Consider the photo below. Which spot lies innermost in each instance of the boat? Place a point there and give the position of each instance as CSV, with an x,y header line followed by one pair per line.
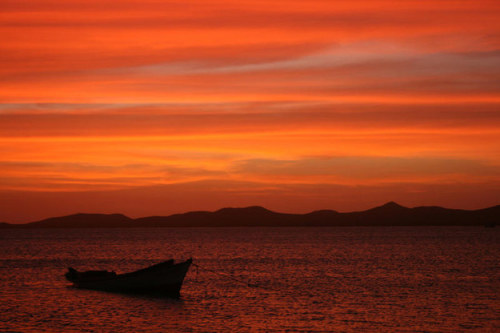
x,y
162,279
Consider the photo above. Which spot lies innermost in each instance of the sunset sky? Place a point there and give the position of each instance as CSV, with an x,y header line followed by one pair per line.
x,y
153,107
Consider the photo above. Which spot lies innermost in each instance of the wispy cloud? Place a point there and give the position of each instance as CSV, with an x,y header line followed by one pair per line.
x,y
237,99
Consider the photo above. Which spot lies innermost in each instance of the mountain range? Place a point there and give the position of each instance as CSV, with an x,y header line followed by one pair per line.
x,y
390,214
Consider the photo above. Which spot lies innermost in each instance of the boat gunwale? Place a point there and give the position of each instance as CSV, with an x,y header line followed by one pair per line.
x,y
169,263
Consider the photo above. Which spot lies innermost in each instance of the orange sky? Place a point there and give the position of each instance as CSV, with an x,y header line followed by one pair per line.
x,y
150,107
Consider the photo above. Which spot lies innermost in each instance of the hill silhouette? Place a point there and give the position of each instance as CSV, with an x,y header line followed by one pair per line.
x,y
81,220
390,214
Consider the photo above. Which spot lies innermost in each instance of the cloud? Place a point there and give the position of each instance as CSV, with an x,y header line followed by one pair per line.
x,y
241,118
244,14
355,170
112,95
70,176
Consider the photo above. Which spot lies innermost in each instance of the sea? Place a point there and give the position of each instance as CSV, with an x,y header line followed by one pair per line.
x,y
346,279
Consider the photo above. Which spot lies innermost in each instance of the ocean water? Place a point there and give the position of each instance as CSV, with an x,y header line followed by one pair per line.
x,y
403,279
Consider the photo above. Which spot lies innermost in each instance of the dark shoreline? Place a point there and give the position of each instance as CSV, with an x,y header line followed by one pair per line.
x,y
388,215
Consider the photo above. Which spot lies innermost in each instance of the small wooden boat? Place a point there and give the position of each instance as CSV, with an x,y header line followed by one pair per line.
x,y
164,278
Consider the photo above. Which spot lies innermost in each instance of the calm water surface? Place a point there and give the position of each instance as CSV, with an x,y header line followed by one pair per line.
x,y
309,279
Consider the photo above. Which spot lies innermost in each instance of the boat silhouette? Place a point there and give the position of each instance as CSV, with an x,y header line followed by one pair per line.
x,y
163,279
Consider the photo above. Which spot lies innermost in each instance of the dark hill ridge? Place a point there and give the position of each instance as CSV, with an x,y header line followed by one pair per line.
x,y
390,214
81,220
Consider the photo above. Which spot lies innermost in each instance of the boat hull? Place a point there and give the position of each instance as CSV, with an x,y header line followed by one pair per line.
x,y
162,279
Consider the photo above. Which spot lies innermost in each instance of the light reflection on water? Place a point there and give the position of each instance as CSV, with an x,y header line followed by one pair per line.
x,y
308,279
